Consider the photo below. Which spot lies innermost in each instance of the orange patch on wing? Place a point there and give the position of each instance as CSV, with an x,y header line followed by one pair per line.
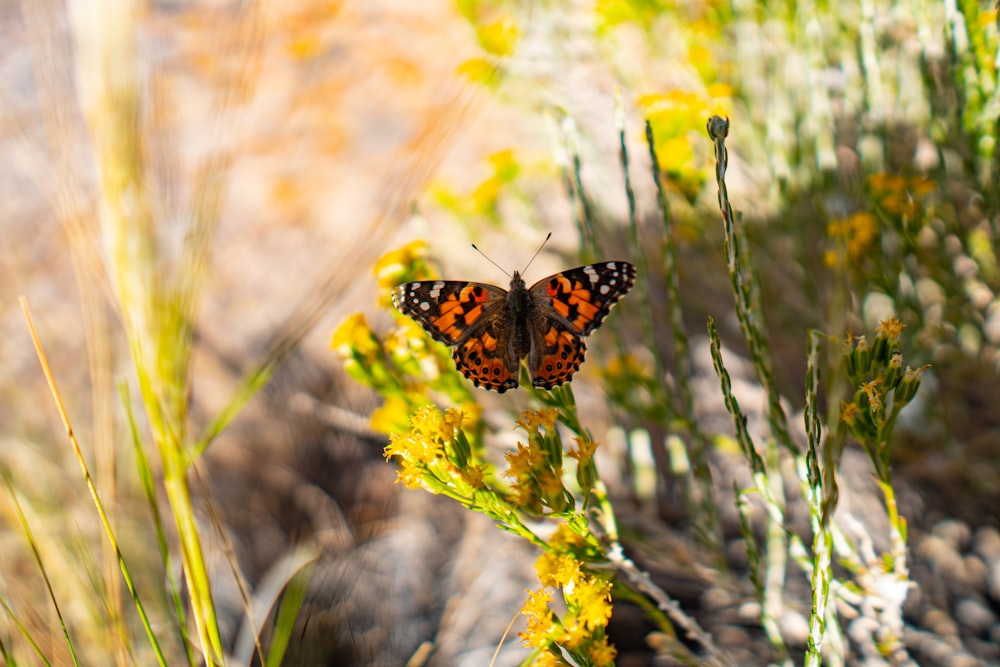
x,y
473,314
489,342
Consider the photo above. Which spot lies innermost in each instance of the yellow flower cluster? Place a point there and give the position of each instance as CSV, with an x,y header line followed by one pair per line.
x,y
587,596
882,389
853,236
434,454
535,469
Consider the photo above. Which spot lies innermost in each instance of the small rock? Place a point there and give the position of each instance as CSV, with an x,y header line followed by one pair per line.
x,y
987,544
943,558
975,616
975,573
794,627
956,533
715,598
939,623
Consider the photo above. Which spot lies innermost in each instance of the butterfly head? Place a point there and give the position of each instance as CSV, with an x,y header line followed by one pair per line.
x,y
516,281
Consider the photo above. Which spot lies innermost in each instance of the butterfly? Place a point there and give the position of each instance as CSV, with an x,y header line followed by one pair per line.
x,y
491,329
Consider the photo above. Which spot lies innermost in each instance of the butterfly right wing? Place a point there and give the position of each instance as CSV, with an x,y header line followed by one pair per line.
x,y
469,317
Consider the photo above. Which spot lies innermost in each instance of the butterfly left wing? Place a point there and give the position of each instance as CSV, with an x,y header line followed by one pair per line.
x,y
450,310
470,318
571,305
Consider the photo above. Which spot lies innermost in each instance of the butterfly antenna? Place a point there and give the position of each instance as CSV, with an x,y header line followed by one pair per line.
x,y
474,247
547,237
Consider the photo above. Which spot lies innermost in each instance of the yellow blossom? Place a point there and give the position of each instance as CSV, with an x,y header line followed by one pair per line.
x,y
592,595
532,419
573,635
891,328
872,392
547,659
397,266
391,416
474,475
566,538
522,463
539,618
410,474
602,654
354,336
584,449
558,570
848,412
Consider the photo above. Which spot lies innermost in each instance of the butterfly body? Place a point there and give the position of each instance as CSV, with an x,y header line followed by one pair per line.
x,y
491,329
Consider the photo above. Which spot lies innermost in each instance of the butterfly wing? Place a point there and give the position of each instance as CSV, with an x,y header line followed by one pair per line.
x,y
569,306
470,317
449,310
581,298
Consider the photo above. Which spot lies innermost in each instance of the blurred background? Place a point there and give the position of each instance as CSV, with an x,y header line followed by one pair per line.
x,y
198,192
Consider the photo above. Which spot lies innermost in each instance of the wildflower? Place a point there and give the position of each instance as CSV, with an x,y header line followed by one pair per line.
x,y
532,419
584,450
539,618
402,265
873,393
602,654
848,412
591,596
354,337
890,328
558,569
391,416
547,659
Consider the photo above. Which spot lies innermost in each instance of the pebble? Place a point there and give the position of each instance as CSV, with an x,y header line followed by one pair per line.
x,y
716,597
956,533
940,624
944,560
986,544
975,616
975,573
794,627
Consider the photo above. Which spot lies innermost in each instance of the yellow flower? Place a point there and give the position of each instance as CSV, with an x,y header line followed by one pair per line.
x,y
593,597
547,659
573,635
474,475
391,416
602,654
521,463
354,336
874,395
566,538
532,419
891,328
451,423
397,266
558,570
584,449
539,617
848,412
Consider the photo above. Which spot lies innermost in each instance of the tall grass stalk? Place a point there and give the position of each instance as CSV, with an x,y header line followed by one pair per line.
x,y
95,497
157,302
